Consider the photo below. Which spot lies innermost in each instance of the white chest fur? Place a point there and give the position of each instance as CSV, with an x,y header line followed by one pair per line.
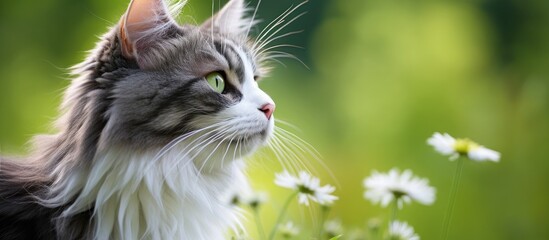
x,y
136,196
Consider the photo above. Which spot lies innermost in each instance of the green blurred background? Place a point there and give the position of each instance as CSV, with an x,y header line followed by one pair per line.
x,y
382,76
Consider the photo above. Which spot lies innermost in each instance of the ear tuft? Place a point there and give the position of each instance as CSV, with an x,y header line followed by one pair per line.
x,y
231,19
144,23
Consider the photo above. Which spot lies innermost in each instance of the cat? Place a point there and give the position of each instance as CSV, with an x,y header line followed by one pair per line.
x,y
151,136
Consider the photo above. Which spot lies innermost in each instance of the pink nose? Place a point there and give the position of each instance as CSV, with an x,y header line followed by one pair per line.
x,y
268,109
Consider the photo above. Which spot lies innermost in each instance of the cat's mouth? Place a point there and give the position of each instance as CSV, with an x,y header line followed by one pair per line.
x,y
215,149
260,136
252,139
232,137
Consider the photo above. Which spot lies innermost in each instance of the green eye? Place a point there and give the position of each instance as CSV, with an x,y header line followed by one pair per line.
x,y
216,81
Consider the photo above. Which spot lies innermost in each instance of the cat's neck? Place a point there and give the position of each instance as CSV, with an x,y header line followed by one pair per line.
x,y
141,194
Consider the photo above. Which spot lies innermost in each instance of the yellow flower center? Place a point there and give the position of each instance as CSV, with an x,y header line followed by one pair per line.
x,y
464,145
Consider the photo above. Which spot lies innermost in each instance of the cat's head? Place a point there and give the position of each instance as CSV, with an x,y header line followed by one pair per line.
x,y
167,83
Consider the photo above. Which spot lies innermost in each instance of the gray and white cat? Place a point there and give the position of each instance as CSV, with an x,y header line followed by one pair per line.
x,y
151,134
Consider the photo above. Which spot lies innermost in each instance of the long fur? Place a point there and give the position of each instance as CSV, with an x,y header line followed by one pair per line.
x,y
144,148
170,199
101,176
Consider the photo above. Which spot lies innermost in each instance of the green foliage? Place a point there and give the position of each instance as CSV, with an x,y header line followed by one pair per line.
x,y
336,237
384,76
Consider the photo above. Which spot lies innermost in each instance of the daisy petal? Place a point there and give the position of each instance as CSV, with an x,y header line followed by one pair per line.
x,y
483,154
443,143
402,231
401,187
307,186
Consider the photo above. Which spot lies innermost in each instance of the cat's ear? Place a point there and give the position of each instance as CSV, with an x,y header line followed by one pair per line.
x,y
231,19
144,23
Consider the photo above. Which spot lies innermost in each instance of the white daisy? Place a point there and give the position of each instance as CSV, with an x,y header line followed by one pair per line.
x,y
374,224
307,186
355,234
333,228
254,199
248,197
384,188
447,145
288,230
401,231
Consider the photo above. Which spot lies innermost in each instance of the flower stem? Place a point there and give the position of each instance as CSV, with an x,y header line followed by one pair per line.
x,y
374,234
325,210
281,215
453,193
260,230
394,211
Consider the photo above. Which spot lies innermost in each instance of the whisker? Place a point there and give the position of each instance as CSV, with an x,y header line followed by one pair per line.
x,y
284,55
275,60
297,153
186,152
286,156
294,160
270,25
176,141
212,128
212,23
310,150
227,150
216,147
279,46
211,139
281,161
277,153
283,122
268,39
216,136
260,49
253,18
236,146
295,145
276,146
315,152
276,22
